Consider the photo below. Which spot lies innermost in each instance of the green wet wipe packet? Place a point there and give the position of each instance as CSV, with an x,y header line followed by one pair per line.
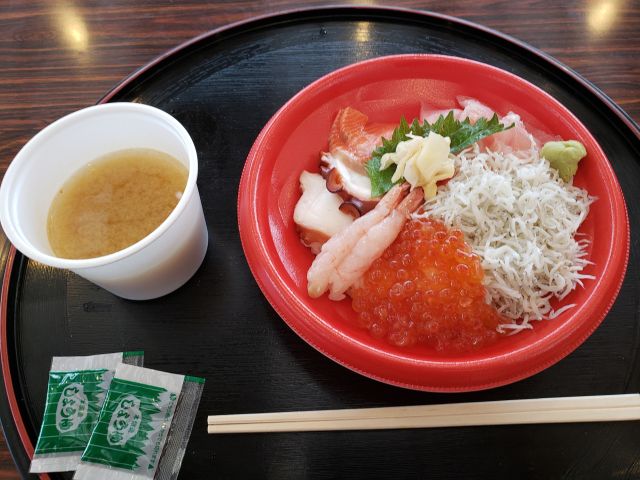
x,y
144,426
75,393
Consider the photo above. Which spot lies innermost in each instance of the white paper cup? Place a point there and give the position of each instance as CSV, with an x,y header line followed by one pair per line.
x,y
156,265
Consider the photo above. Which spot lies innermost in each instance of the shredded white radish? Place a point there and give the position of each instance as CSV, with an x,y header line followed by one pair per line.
x,y
522,220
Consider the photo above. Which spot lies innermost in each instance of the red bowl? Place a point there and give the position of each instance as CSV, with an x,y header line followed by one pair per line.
x,y
386,89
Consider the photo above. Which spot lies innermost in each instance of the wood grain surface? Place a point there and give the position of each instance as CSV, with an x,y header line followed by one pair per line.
x,y
57,56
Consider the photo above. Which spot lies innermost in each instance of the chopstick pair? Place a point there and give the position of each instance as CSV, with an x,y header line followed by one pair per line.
x,y
599,408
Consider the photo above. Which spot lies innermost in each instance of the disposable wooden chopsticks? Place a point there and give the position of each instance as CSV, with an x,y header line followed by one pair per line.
x,y
600,408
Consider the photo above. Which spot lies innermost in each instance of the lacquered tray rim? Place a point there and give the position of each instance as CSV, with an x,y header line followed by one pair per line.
x,y
5,363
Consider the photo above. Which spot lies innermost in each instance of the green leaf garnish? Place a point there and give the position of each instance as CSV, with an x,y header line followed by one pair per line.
x,y
381,179
463,134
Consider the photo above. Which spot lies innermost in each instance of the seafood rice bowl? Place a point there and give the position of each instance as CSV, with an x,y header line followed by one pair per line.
x,y
447,232
433,222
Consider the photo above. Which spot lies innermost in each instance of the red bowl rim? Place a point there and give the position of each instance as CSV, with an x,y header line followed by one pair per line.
x,y
304,323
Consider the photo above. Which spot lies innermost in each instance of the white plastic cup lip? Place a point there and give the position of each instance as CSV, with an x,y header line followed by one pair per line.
x,y
8,213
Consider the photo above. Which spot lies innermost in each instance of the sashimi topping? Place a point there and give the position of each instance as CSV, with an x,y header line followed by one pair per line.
x,y
352,136
519,138
495,241
352,139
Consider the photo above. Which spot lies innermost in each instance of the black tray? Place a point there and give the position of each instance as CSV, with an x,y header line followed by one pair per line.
x,y
223,87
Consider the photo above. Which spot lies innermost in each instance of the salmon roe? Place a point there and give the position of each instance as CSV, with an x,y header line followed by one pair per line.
x,y
427,289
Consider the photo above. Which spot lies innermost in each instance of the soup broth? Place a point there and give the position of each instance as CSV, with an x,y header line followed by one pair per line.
x,y
113,202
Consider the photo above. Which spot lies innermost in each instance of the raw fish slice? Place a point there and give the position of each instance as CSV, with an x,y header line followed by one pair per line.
x,y
473,109
513,140
351,137
541,137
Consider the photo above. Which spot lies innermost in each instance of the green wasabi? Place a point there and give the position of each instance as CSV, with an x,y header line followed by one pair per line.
x,y
564,157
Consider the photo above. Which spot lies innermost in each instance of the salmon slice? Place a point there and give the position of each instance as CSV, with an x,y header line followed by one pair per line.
x,y
353,136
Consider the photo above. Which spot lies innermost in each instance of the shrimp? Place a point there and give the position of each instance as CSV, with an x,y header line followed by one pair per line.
x,y
372,245
335,250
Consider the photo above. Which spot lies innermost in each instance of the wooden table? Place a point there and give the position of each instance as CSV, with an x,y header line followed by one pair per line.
x,y
57,56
